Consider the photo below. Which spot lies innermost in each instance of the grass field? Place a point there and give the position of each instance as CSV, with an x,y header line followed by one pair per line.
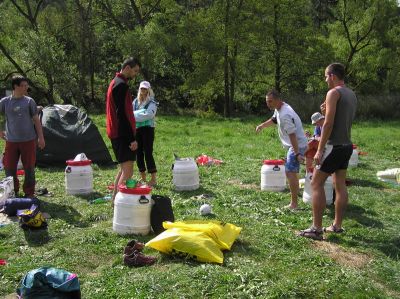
x,y
267,260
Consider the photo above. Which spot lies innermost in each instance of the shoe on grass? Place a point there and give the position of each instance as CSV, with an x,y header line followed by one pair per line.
x,y
333,229
312,233
133,245
138,259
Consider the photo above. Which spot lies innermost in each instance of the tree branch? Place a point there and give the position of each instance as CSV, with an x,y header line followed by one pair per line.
x,y
147,15
137,13
108,9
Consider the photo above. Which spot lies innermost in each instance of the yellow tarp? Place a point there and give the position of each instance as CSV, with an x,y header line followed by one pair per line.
x,y
198,240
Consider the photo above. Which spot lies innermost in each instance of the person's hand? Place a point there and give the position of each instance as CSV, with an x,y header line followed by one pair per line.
x,y
259,128
323,108
133,146
300,158
3,135
318,157
41,143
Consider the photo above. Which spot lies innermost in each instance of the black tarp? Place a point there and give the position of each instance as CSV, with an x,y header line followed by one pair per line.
x,y
68,131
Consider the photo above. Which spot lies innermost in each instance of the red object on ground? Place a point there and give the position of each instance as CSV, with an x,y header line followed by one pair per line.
x,y
206,160
20,172
110,187
3,262
362,153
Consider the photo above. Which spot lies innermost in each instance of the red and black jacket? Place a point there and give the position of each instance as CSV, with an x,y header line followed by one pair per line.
x,y
120,120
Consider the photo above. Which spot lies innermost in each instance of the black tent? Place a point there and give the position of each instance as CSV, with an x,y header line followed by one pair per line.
x,y
68,131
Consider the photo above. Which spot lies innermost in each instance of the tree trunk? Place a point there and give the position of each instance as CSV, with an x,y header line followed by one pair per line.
x,y
226,83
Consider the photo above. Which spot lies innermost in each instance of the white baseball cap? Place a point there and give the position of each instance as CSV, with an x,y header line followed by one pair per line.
x,y
316,117
145,84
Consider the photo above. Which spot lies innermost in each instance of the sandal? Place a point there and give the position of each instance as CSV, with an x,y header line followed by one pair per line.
x,y
333,229
311,233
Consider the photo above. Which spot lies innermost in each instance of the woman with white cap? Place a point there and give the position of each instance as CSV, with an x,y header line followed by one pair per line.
x,y
145,108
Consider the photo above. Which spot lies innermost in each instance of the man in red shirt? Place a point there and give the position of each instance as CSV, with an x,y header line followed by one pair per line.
x,y
121,126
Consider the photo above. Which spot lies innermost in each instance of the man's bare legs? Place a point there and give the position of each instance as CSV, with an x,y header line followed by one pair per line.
x,y
125,172
318,197
153,180
342,197
294,189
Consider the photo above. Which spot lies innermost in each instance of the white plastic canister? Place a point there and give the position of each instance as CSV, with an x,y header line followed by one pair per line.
x,y
328,187
273,177
185,174
79,177
132,207
353,162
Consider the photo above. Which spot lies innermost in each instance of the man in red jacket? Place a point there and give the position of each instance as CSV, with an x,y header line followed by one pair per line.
x,y
121,126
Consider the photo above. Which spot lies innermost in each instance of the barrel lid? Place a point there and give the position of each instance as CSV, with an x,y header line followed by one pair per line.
x,y
273,162
78,163
138,190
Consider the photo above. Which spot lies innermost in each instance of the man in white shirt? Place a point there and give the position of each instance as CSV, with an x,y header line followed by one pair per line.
x,y
292,136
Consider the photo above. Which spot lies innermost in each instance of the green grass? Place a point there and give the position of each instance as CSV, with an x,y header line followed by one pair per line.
x,y
267,260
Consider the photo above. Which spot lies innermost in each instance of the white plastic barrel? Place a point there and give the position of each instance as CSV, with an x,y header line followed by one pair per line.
x,y
185,174
132,207
273,177
79,177
389,175
328,187
353,162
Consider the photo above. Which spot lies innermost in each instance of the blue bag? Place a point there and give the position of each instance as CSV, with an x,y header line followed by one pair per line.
x,y
11,205
49,283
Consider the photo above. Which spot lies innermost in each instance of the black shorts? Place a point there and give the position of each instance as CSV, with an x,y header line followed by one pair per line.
x,y
122,151
337,159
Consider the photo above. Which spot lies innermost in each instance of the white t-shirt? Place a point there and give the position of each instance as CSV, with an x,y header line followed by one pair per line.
x,y
289,122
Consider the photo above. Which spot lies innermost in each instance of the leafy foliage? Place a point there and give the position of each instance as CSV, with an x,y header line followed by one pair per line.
x,y
212,56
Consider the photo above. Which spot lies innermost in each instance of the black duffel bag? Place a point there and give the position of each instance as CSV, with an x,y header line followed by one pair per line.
x,y
161,211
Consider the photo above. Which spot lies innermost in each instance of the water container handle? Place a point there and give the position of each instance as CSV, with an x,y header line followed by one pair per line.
x,y
276,168
143,199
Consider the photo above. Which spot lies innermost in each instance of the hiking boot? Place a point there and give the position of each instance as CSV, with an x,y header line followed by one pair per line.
x,y
133,246
138,259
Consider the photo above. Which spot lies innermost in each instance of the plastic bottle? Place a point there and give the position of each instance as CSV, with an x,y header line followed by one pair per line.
x,y
101,199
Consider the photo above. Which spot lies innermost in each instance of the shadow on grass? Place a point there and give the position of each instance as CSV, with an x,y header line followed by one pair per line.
x,y
365,183
360,215
388,246
243,248
91,196
208,194
36,238
64,212
383,241
391,248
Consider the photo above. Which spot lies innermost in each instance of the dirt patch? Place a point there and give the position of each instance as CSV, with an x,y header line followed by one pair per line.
x,y
240,184
342,256
386,290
